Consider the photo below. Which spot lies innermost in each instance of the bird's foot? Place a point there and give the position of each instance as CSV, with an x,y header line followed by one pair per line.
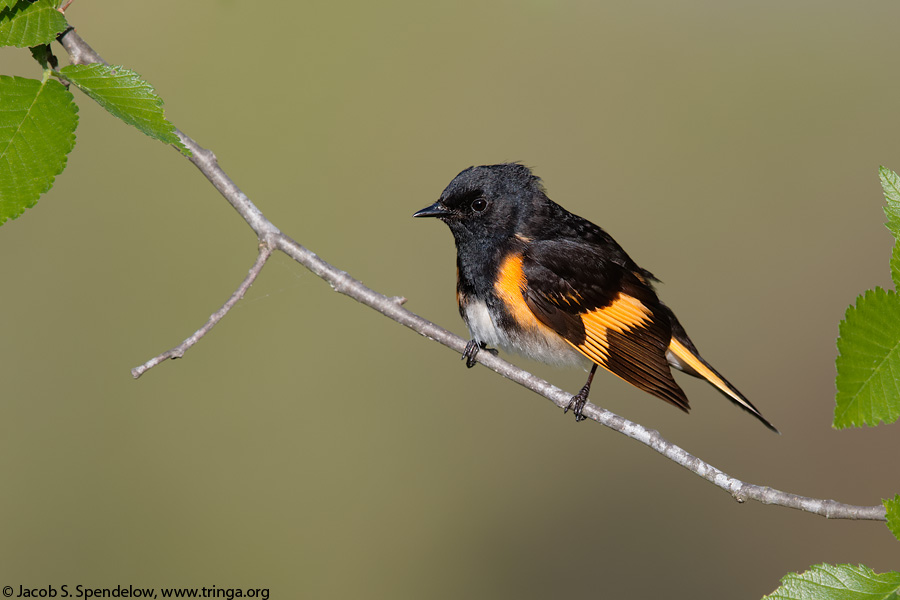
x,y
471,351
577,404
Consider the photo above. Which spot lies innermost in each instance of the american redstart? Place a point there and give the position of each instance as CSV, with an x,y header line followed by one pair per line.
x,y
535,279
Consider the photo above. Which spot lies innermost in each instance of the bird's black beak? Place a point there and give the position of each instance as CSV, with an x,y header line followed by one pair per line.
x,y
435,210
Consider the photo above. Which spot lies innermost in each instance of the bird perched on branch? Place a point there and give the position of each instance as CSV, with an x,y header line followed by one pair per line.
x,y
535,279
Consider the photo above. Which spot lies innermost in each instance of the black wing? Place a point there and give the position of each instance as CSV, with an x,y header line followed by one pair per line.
x,y
605,310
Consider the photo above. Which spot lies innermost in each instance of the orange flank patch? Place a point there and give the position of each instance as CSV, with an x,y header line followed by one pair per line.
x,y
510,288
688,357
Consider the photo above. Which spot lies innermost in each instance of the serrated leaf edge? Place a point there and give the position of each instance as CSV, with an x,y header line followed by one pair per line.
x,y
30,11
45,82
890,185
832,571
120,72
892,505
858,422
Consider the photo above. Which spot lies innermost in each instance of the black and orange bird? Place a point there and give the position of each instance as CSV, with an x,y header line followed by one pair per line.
x,y
537,280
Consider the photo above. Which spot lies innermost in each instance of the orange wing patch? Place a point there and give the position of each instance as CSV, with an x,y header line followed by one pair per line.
x,y
623,338
624,314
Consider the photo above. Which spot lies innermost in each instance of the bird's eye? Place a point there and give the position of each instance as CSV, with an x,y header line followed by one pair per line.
x,y
479,204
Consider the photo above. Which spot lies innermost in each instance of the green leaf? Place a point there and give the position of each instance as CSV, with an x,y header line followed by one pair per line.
x,y
8,3
838,582
868,364
125,95
890,183
37,132
895,266
893,515
29,24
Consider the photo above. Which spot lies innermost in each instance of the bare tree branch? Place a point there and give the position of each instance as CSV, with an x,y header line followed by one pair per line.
x,y
271,238
80,53
265,251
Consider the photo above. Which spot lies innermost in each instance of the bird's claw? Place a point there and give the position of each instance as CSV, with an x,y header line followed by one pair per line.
x,y
471,351
577,405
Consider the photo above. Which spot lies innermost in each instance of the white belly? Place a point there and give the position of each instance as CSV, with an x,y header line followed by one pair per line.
x,y
535,344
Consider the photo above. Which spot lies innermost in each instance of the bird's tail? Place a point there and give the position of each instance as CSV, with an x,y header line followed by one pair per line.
x,y
683,355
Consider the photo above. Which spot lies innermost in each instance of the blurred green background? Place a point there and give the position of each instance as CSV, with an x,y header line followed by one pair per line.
x,y
313,447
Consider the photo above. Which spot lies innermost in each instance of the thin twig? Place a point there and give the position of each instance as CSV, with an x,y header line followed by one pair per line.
x,y
265,251
391,307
